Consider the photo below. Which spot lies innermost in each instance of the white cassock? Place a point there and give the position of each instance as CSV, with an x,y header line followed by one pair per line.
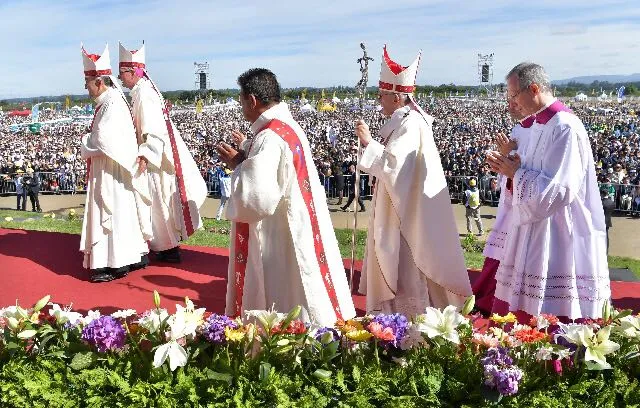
x,y
167,212
282,267
497,238
555,258
116,221
413,257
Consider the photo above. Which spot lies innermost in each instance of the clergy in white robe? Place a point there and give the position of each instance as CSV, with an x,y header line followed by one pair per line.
x,y
283,251
554,260
413,256
177,187
116,222
484,286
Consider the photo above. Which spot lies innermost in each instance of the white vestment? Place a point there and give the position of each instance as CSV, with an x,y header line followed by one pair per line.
x,y
555,259
282,267
116,220
167,212
413,257
497,238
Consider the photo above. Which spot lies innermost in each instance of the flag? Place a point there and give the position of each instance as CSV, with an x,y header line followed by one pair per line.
x,y
67,102
620,94
199,106
35,112
322,94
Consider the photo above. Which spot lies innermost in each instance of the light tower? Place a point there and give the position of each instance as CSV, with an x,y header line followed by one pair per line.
x,y
201,72
485,73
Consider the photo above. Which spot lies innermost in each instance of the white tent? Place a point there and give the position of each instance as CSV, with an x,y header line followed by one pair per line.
x,y
335,99
581,97
604,97
307,108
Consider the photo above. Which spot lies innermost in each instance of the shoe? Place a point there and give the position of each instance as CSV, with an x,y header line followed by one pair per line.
x,y
170,255
144,262
102,275
362,210
120,272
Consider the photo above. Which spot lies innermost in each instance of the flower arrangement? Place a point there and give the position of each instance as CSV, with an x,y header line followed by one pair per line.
x,y
265,357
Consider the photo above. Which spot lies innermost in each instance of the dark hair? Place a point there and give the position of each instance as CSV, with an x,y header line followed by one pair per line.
x,y
261,83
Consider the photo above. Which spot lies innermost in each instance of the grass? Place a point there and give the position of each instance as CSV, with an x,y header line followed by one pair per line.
x,y
216,234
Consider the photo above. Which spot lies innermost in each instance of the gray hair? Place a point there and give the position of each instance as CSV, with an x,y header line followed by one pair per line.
x,y
529,73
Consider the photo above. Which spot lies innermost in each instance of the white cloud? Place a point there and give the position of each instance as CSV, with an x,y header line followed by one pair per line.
x,y
310,44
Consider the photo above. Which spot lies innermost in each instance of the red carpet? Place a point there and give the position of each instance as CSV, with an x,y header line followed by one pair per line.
x,y
33,264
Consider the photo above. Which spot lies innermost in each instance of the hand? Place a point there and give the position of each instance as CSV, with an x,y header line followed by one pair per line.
x,y
505,145
504,164
238,137
230,155
142,164
363,133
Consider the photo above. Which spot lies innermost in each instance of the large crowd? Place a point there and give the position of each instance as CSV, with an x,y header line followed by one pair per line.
x,y
464,129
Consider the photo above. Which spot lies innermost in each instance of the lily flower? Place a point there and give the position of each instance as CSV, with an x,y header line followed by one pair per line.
x,y
435,323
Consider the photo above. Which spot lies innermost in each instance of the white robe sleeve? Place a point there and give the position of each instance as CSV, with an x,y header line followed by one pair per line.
x,y
151,124
539,194
260,182
86,151
394,164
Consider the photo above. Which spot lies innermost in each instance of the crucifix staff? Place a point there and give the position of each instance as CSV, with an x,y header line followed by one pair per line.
x,y
361,88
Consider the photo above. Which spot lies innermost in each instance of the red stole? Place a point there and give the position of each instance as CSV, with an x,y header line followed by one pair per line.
x,y
242,229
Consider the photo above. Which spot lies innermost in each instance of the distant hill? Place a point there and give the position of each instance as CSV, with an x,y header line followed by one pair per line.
x,y
588,79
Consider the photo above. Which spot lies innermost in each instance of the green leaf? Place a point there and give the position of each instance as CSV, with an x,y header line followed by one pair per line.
x,y
265,371
322,374
214,375
27,334
83,360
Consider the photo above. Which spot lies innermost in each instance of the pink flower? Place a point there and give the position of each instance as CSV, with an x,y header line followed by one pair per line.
x,y
377,330
557,366
485,340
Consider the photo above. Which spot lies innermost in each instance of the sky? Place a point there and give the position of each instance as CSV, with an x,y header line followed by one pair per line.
x,y
314,44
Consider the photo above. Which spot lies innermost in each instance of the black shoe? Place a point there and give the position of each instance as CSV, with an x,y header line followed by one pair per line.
x,y
120,272
102,275
170,255
362,210
144,262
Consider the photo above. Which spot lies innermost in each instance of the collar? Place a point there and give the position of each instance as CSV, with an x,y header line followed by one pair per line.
x,y
102,97
138,85
280,111
545,115
528,121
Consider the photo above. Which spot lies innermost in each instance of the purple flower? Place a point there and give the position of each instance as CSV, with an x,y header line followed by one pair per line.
x,y
507,380
498,356
105,334
499,371
398,324
214,328
334,334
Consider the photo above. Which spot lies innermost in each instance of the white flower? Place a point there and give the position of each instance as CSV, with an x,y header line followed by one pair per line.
x,y
91,316
8,219
413,338
123,314
597,345
152,320
630,327
542,323
268,318
172,350
563,353
544,353
63,316
190,317
10,311
436,323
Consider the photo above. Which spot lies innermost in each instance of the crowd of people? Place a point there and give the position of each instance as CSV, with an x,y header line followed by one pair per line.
x,y
464,129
